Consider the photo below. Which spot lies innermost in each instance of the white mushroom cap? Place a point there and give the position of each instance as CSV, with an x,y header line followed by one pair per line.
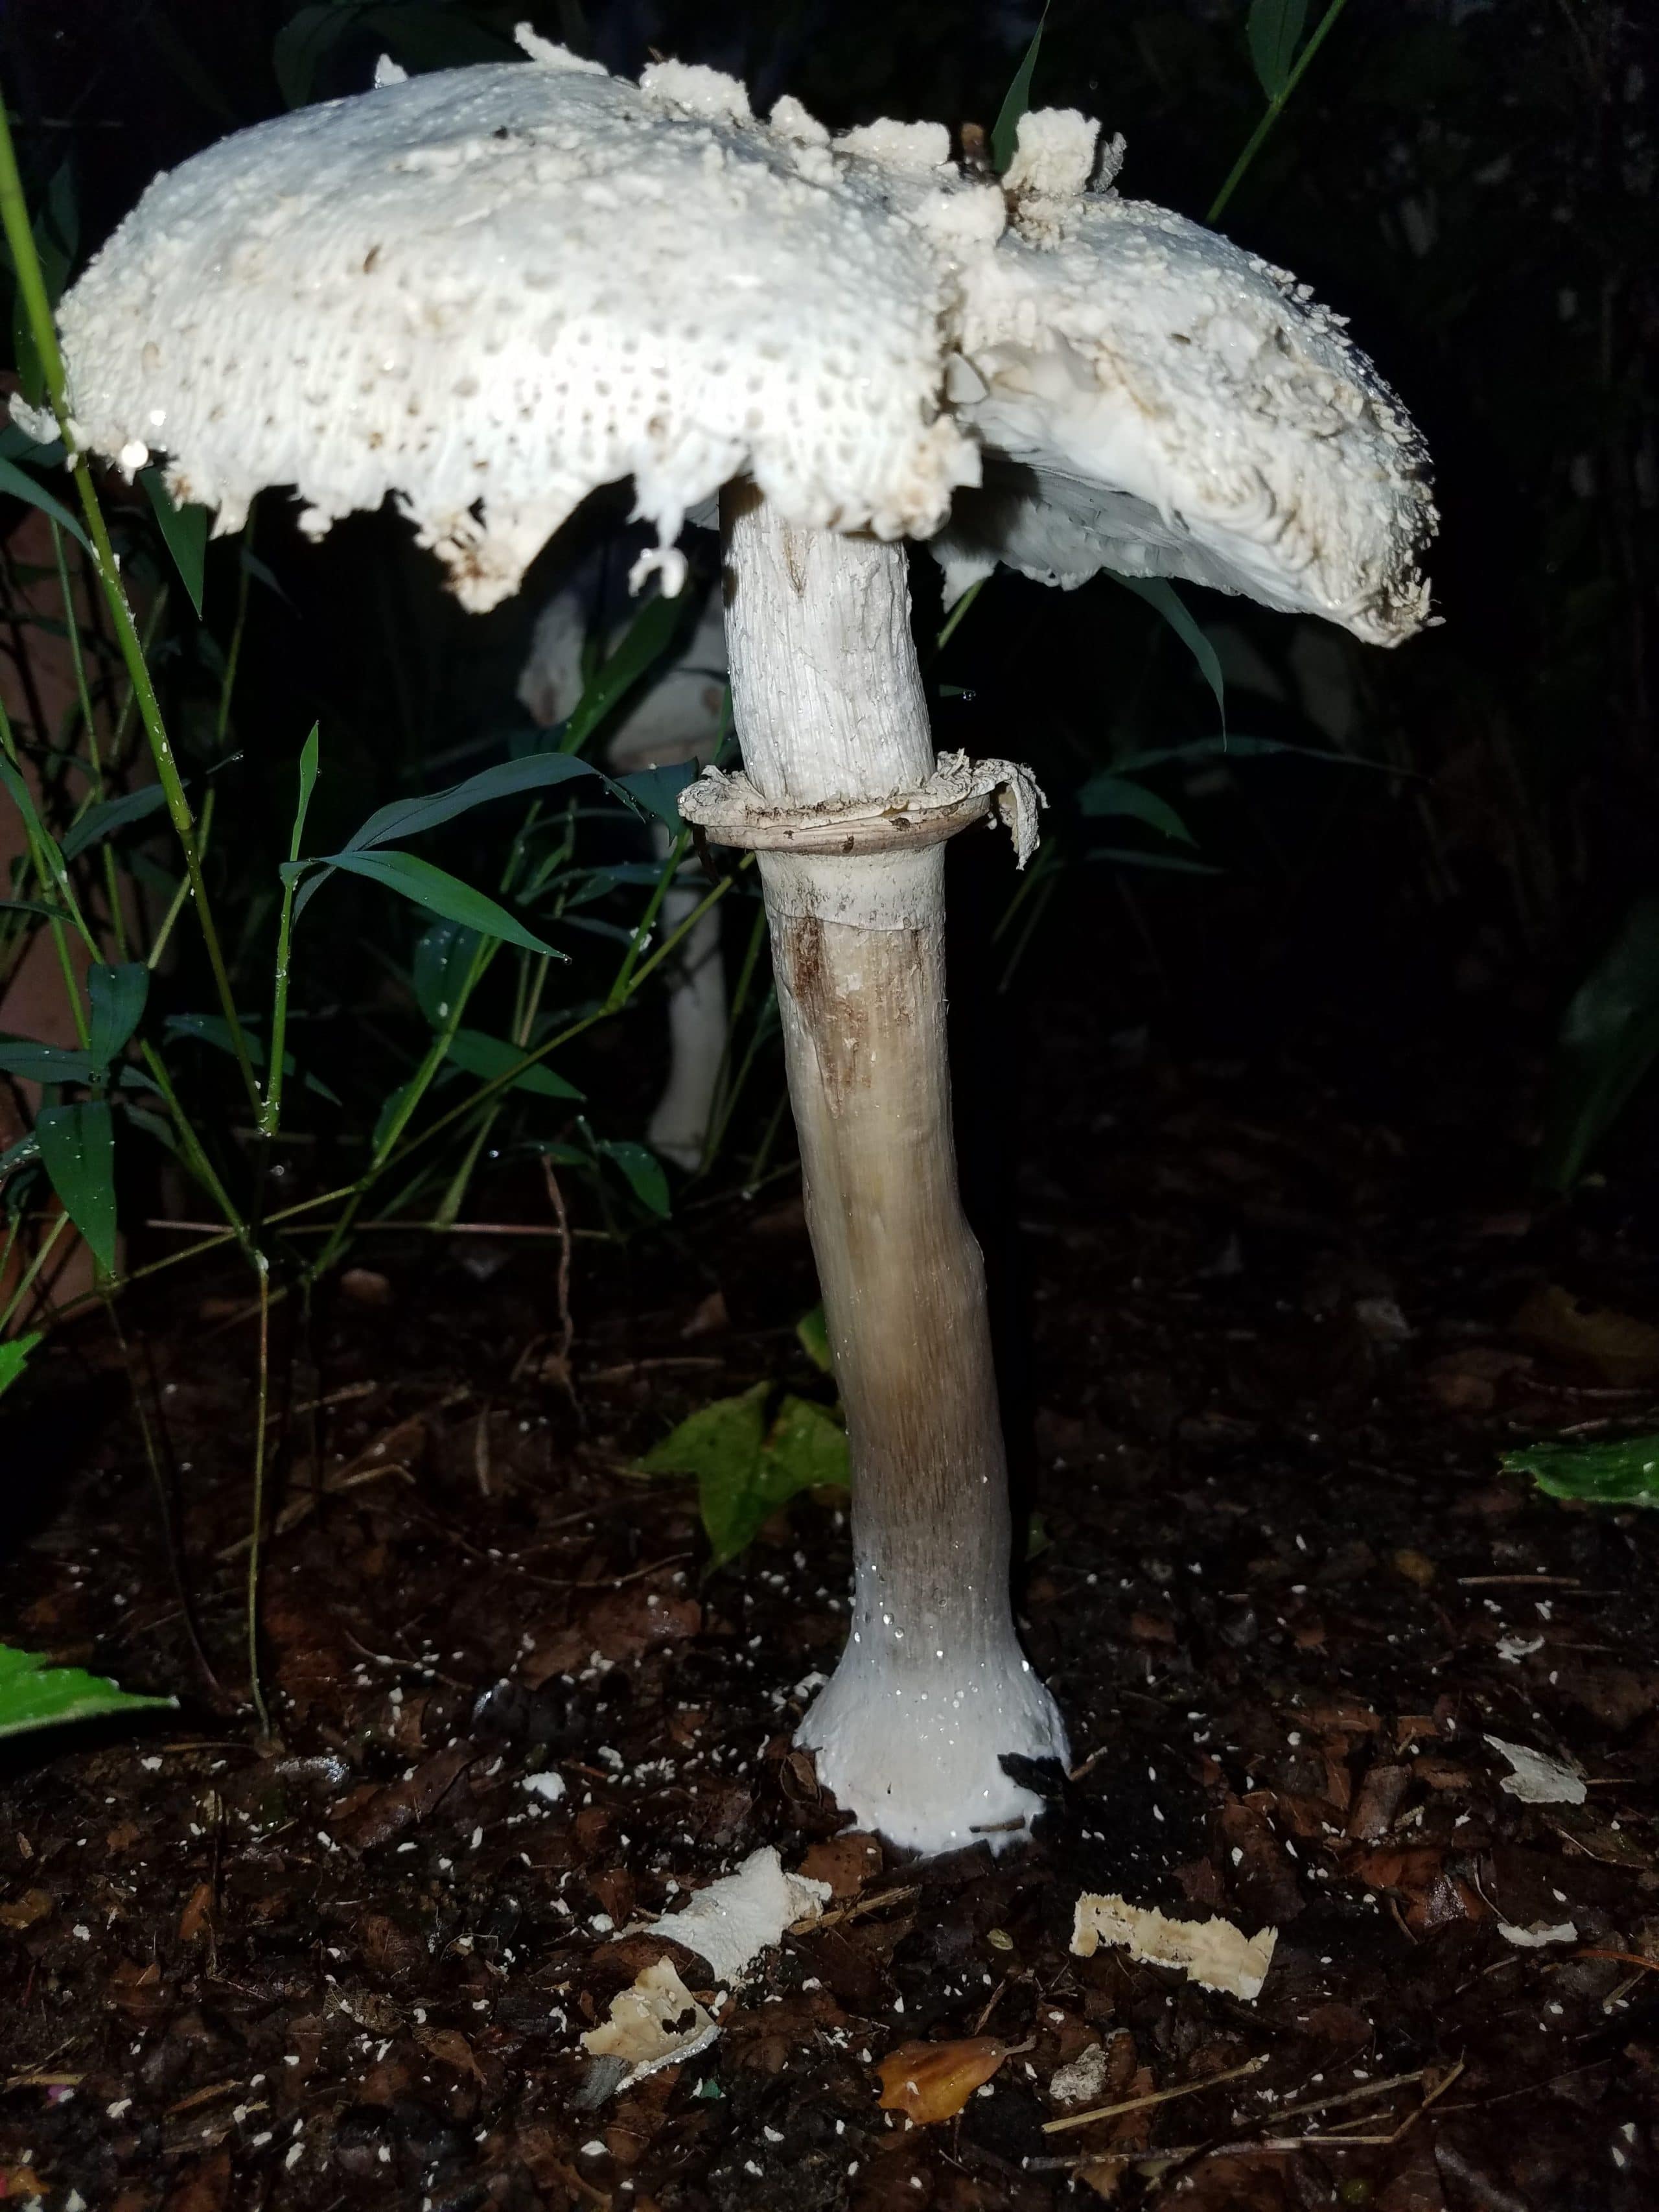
x,y
489,291
1164,404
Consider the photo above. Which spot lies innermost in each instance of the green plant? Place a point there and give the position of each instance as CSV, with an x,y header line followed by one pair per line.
x,y
33,1694
751,1454
1622,1471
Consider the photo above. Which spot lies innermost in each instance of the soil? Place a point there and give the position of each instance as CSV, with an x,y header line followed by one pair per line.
x,y
1277,1328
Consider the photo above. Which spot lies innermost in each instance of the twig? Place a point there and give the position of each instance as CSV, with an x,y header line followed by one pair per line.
x,y
1152,2097
1352,2096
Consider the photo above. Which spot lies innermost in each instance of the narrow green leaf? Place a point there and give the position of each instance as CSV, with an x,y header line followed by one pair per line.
x,y
1129,858
35,1695
648,637
1159,591
78,1148
185,531
1273,30
23,799
15,1358
1005,129
116,997
441,893
443,963
644,1171
389,1112
657,789
110,815
214,1030
302,44
1107,793
408,818
489,1057
310,757
1623,1471
20,484
46,1063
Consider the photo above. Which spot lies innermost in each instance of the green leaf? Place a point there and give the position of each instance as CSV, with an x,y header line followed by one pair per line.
x,y
813,1333
657,789
1273,30
441,893
310,757
46,1063
744,1469
15,1358
408,818
1107,793
78,1148
644,1171
303,43
443,966
1625,1472
34,1695
1129,858
214,1030
1159,591
23,799
184,528
389,1113
808,1447
1607,1041
649,636
118,996
35,906
492,1057
110,815
1005,129
20,484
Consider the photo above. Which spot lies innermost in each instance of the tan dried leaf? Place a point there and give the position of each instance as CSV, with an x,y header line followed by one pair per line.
x,y
933,2081
655,2022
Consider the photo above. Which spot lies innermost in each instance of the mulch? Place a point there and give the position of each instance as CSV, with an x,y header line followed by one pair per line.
x,y
1279,1329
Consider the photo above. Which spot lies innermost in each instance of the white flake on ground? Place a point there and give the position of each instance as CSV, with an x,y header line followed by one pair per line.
x,y
1537,1779
1213,1953
732,1921
1539,1933
548,1786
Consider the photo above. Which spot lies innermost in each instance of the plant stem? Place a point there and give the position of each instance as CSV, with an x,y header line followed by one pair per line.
x,y
14,1303
30,284
1275,108
255,1553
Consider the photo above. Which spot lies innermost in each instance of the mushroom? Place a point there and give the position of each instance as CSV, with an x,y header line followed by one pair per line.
x,y
486,292
678,717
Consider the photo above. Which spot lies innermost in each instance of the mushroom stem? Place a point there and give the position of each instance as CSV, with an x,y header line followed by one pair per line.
x,y
696,1025
932,1688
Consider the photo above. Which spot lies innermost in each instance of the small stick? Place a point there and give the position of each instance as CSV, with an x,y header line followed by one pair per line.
x,y
1500,1581
1154,2097
1353,2096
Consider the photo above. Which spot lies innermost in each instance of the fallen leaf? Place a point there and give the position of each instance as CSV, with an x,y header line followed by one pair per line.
x,y
450,2048
400,1804
654,2022
933,2081
20,1913
732,1921
197,1915
1216,1954
1538,1779
1623,1351
845,1861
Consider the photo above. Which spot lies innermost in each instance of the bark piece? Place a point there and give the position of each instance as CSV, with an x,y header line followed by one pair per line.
x,y
1213,1953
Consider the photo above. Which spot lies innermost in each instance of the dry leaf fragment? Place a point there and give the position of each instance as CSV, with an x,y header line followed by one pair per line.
x,y
732,1921
933,2081
1538,1779
20,1913
1623,1350
1215,1953
654,2022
